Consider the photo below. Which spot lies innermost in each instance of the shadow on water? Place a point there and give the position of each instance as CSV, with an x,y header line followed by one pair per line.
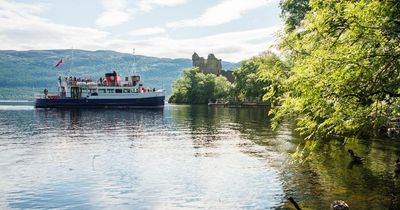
x,y
330,175
327,176
210,121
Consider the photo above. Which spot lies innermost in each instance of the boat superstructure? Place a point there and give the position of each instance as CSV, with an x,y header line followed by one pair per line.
x,y
110,91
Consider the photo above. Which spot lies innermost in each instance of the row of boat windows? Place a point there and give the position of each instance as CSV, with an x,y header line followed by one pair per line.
x,y
134,90
117,91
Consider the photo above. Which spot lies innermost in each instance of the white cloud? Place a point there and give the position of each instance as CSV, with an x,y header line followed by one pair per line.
x,y
232,46
224,12
23,29
147,31
27,8
147,5
116,12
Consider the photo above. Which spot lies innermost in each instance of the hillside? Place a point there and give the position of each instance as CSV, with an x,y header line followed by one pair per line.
x,y
23,71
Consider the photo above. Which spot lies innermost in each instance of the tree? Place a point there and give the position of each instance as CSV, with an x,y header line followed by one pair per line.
x,y
222,88
198,88
180,89
275,73
293,12
345,69
247,83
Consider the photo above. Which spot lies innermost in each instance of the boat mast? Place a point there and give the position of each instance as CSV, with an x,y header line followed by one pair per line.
x,y
70,72
134,62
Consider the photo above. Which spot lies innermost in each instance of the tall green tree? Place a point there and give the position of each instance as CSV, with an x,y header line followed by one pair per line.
x,y
275,72
261,77
195,87
247,83
345,69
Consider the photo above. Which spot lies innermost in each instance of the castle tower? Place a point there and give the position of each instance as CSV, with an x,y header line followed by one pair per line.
x,y
213,65
210,65
197,61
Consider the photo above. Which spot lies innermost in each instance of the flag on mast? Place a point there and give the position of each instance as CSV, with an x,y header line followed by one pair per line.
x,y
58,63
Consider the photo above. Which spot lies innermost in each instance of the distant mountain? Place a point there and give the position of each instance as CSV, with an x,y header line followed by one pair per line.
x,y
24,71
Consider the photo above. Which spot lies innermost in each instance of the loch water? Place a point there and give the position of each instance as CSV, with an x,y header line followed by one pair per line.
x,y
182,157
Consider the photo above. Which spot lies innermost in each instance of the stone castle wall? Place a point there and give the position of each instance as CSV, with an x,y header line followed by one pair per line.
x,y
228,75
211,65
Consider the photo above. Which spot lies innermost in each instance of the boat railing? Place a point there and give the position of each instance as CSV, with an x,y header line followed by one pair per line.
x,y
81,84
49,95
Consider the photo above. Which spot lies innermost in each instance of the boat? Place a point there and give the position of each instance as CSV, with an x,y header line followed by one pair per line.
x,y
110,91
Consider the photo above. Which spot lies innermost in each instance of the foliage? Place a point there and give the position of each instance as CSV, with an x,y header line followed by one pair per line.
x,y
198,88
293,12
252,79
247,83
345,67
274,72
260,77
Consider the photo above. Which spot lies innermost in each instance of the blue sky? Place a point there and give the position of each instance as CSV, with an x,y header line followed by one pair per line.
x,y
231,29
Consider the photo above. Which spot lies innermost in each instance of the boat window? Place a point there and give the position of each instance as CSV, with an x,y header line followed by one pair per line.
x,y
127,90
118,90
134,90
110,90
102,91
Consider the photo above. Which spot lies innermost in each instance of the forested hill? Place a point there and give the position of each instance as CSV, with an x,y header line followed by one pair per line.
x,y
27,70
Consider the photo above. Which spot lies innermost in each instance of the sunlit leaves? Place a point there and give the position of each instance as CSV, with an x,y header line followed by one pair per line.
x,y
293,12
345,72
198,88
260,77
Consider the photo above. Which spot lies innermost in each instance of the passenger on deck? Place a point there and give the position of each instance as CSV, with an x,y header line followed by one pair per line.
x,y
45,93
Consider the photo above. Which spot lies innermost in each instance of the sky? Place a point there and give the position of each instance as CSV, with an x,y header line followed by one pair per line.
x,y
233,30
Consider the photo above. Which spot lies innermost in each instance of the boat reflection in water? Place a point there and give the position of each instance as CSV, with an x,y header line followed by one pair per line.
x,y
98,119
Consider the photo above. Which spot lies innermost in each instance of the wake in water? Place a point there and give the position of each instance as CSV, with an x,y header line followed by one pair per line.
x,y
16,105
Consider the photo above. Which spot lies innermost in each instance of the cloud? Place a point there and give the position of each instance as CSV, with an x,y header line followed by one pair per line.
x,y
147,31
27,8
224,12
21,28
115,13
147,5
232,46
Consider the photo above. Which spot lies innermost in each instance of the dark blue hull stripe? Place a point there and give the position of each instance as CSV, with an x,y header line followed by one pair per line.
x,y
65,103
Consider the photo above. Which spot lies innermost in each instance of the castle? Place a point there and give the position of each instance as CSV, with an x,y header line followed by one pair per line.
x,y
211,65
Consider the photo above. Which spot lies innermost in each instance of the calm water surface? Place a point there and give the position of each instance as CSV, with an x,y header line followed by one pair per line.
x,y
180,157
